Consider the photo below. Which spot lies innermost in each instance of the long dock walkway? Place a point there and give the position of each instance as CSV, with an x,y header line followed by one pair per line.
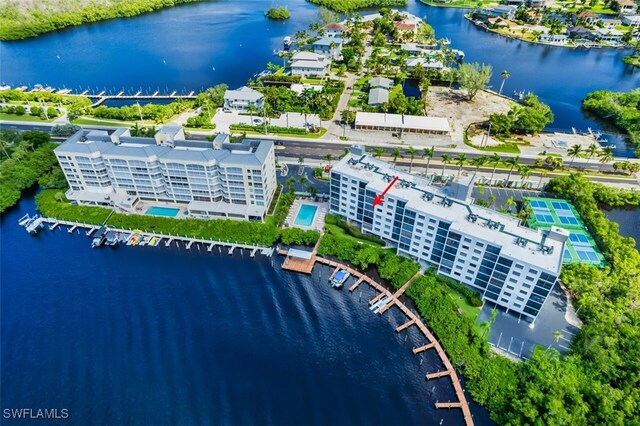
x,y
412,319
266,251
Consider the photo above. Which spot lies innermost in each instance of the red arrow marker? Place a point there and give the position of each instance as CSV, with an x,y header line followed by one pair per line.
x,y
378,199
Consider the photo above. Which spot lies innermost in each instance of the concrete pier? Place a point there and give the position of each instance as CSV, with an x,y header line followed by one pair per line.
x,y
73,228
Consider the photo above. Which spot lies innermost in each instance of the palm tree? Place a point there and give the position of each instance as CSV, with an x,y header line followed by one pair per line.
x,y
505,75
552,162
573,152
606,156
301,160
556,337
460,160
428,152
302,180
543,173
395,154
412,154
592,150
378,152
525,172
251,110
513,162
329,157
480,161
446,159
495,160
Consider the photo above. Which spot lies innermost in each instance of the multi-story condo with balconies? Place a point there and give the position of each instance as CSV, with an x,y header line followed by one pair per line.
x,y
209,179
509,265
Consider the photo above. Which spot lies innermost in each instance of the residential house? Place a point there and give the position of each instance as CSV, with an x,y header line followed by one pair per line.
x,y
501,22
627,7
610,22
242,98
405,28
335,29
535,3
580,33
587,17
378,96
412,48
553,38
516,3
309,63
630,20
502,10
426,63
609,35
381,82
330,47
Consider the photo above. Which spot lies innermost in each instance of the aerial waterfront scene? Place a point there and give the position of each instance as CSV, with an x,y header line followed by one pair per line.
x,y
326,212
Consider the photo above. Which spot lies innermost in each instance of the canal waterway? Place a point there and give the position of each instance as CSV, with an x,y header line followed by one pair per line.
x,y
628,220
225,41
154,335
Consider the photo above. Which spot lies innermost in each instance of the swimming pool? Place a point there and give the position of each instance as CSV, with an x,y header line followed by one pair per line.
x,y
305,215
162,211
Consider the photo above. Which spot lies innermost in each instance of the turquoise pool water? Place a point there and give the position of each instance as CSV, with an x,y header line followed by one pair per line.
x,y
305,215
162,211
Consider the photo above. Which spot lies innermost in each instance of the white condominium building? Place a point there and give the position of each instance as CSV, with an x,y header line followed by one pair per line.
x,y
211,179
510,265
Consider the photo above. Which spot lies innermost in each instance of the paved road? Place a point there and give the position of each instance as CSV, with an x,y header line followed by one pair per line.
x,y
318,150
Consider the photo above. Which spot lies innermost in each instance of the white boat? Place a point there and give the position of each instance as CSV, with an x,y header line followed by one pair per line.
x,y
340,278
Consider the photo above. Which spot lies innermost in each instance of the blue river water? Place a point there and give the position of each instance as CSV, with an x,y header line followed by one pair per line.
x,y
226,41
142,335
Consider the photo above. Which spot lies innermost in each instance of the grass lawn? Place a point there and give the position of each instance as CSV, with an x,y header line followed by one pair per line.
x,y
24,117
306,136
505,147
340,233
97,122
467,310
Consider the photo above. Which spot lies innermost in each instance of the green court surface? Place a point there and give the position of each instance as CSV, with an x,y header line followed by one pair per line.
x,y
580,247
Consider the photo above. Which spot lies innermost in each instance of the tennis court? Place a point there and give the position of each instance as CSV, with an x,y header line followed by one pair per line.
x,y
581,247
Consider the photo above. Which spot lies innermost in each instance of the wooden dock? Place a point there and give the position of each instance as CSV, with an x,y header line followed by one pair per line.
x,y
412,319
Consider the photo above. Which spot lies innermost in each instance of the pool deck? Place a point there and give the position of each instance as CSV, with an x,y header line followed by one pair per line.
x,y
318,220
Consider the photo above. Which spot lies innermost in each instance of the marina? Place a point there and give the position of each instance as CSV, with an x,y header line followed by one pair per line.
x,y
379,305
114,236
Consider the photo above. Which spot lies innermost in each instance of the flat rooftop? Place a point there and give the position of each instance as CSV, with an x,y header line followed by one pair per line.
x,y
517,242
402,121
120,144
